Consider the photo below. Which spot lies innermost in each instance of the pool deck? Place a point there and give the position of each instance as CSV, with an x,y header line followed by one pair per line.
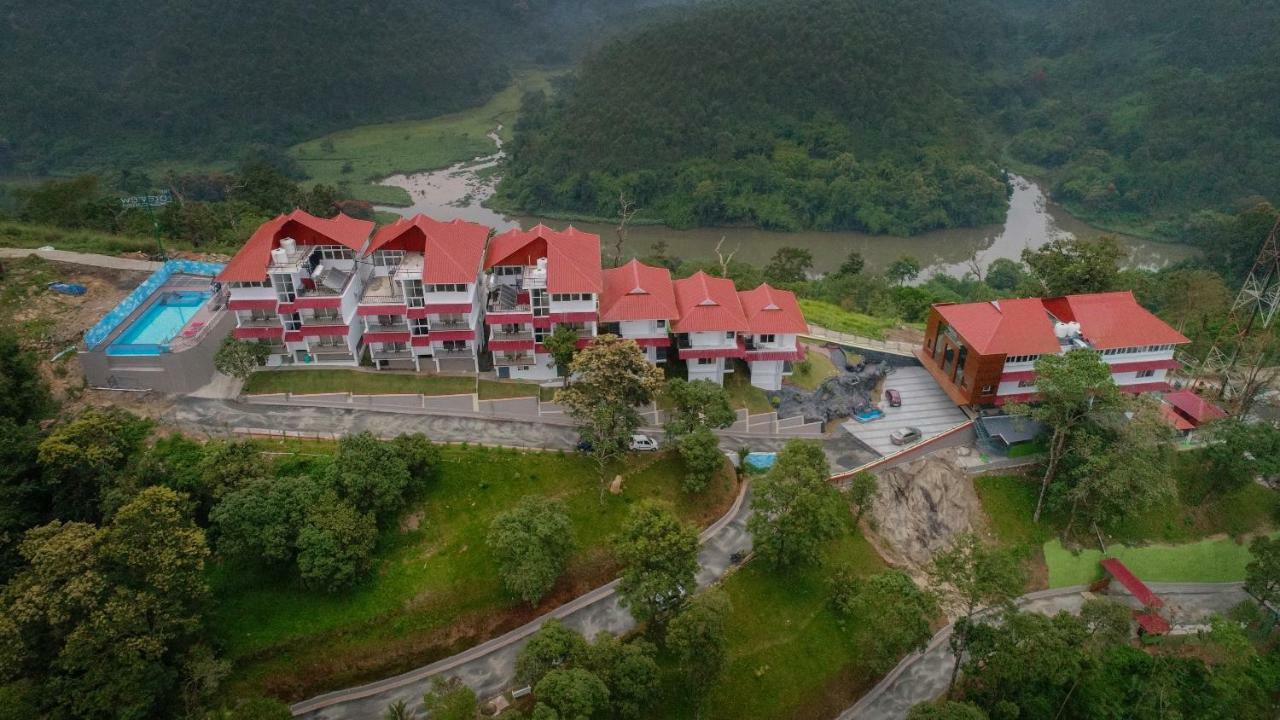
x,y
177,283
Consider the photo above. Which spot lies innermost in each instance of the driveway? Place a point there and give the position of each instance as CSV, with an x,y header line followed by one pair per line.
x,y
489,668
924,406
924,676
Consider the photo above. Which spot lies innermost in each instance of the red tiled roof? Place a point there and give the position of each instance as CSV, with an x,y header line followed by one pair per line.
x,y
452,250
1113,320
1178,422
1153,624
708,304
1194,407
1015,326
573,256
250,263
770,310
1136,587
1144,387
637,291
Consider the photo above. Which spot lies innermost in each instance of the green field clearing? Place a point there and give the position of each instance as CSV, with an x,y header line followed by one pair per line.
x,y
435,589
354,159
742,394
834,317
360,382
788,655
1221,560
819,369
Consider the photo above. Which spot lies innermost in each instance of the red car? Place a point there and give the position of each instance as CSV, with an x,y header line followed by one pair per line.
x,y
894,398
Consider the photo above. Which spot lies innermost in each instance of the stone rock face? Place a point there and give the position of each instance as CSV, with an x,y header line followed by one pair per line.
x,y
921,506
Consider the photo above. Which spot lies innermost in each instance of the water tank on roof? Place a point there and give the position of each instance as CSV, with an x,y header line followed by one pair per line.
x,y
1061,330
1075,328
279,256
289,245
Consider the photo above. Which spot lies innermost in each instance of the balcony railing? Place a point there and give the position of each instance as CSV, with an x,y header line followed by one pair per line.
x,y
468,353
391,354
512,360
273,321
382,289
322,321
375,326
523,335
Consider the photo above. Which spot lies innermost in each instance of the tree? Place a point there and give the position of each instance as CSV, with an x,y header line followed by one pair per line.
x,y
24,396
450,700
398,710
659,555
903,269
697,637
260,521
83,460
788,265
239,358
1066,266
863,491
892,614
972,576
552,646
611,377
227,466
695,404
946,710
1237,451
562,345
700,451
103,619
532,543
370,473
796,508
575,694
1262,574
1069,387
853,265
335,545
1005,275
629,672
421,458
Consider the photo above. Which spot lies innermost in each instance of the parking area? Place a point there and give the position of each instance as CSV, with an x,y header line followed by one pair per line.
x,y
924,406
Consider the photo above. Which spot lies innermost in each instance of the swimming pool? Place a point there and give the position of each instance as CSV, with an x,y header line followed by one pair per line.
x,y
151,332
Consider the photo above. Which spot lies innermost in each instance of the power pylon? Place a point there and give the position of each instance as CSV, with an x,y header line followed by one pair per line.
x,y
1255,307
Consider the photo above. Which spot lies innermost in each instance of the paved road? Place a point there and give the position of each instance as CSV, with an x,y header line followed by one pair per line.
x,y
217,417
66,256
924,676
489,668
924,406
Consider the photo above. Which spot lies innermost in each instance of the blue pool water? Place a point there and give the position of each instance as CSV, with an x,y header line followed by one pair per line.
x,y
151,332
761,460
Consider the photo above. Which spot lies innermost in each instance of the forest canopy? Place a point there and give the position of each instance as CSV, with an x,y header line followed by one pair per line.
x,y
898,117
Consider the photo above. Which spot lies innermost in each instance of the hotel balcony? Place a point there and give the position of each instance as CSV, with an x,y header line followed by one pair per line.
x,y
513,360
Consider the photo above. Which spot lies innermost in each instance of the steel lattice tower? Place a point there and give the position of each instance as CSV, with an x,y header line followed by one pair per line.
x,y
1254,309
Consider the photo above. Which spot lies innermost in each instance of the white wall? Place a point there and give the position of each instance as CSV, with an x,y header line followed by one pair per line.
x,y
713,372
712,340
766,374
641,329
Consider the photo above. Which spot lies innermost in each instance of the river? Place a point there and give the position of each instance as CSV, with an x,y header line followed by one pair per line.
x,y
458,191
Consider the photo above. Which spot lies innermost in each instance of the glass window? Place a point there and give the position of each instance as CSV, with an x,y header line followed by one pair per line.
x,y
768,338
1146,373
706,361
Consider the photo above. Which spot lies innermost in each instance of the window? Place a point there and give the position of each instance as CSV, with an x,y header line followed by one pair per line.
x,y
419,326
507,270
332,252
768,339
324,314
706,361
387,258
250,284
570,297
987,389
454,345
293,321
729,336
1146,373
660,323
413,293
447,288
261,315
1026,383
388,320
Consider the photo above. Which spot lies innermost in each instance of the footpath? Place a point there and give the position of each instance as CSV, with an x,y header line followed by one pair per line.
x,y
78,258
489,668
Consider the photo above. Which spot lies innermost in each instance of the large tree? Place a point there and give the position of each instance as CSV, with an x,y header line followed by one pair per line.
x,y
450,700
1262,574
1066,266
335,546
24,396
83,461
796,507
1069,387
239,358
629,672
552,646
562,345
890,613
659,555
532,542
699,640
700,451
371,474
104,620
695,404
259,522
973,576
788,265
573,693
611,378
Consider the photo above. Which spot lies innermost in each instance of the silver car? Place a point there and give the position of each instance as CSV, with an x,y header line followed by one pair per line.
x,y
905,436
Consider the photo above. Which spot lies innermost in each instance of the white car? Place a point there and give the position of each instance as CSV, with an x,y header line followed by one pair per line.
x,y
643,443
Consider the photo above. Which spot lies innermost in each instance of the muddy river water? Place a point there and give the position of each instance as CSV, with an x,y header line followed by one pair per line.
x,y
1032,220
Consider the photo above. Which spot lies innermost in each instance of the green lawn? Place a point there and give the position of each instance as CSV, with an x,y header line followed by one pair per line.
x,y
27,235
435,589
501,389
370,152
742,394
788,655
819,369
1221,560
834,317
359,382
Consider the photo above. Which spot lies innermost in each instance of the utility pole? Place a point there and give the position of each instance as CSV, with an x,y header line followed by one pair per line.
x,y
1254,309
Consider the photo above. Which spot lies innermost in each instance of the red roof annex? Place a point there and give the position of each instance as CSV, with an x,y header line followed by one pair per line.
x,y
573,256
1113,320
773,311
452,251
1193,407
250,263
1016,326
708,304
637,291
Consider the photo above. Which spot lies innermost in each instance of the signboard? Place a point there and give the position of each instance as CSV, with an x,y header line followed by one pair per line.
x,y
147,201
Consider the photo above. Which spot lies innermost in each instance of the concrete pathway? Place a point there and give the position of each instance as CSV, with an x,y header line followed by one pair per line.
x,y
489,668
924,676
78,258
924,406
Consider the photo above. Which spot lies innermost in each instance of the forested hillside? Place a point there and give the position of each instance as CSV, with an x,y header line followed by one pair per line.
x,y
895,117
103,85
820,113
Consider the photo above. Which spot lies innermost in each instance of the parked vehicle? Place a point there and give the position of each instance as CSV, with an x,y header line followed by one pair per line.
x,y
894,397
584,446
905,436
643,443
